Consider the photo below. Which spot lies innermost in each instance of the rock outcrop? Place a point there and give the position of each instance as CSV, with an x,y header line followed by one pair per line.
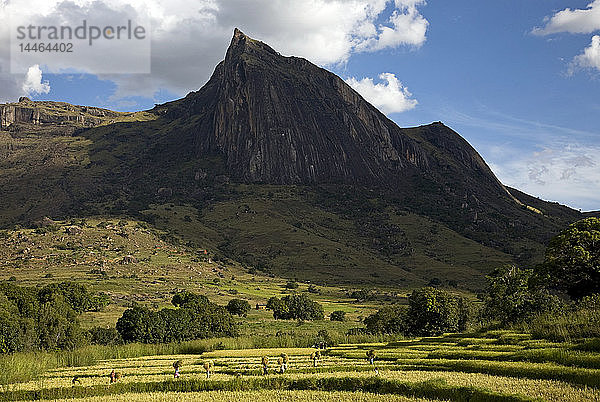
x,y
40,113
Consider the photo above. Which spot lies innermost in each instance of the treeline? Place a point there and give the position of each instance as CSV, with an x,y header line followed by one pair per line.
x,y
45,318
558,299
194,317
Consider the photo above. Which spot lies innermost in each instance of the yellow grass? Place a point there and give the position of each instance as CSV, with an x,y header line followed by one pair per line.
x,y
262,396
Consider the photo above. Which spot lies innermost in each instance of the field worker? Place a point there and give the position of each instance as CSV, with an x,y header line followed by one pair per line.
x,y
113,376
286,360
316,355
76,380
280,364
176,366
265,365
208,367
371,356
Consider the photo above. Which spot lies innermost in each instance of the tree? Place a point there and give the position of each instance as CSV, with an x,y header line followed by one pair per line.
x,y
104,336
187,297
434,311
512,296
298,307
238,307
572,260
338,315
196,318
291,285
389,320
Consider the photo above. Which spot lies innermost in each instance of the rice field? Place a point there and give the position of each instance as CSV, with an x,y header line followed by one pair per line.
x,y
485,367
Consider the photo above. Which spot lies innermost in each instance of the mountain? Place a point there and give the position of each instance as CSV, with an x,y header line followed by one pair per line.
x,y
280,165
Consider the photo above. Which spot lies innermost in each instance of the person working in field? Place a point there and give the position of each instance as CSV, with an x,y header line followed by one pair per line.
x,y
265,365
76,380
208,368
286,360
177,365
371,356
316,355
114,376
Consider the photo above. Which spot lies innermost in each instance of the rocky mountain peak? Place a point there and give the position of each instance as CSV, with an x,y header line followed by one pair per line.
x,y
284,120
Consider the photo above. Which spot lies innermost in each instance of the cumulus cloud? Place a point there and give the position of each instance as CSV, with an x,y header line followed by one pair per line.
x,y
33,84
590,58
572,20
406,27
577,21
390,96
189,37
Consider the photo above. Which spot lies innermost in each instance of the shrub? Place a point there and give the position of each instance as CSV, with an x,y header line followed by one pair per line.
x,y
430,312
338,315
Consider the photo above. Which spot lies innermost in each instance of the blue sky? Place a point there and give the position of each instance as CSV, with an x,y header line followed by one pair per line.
x,y
512,77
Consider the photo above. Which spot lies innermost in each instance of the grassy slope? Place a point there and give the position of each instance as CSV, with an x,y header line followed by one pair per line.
x,y
96,252
144,168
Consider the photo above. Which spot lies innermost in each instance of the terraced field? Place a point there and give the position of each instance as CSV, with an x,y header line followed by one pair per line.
x,y
494,366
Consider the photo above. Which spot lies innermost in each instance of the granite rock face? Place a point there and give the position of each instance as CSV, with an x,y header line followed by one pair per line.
x,y
40,113
284,120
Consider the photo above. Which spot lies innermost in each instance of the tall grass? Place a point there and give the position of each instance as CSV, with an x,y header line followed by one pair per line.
x,y
565,327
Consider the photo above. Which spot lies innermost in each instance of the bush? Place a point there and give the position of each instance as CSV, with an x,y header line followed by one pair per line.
x,y
238,307
34,319
338,315
291,285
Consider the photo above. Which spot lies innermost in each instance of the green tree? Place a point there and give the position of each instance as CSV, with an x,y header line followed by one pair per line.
x,y
298,307
572,260
238,307
389,320
434,311
512,296
104,336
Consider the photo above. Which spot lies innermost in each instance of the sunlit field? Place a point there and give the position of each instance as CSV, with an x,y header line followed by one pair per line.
x,y
483,367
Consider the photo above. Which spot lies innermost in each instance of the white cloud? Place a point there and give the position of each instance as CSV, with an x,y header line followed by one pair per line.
x,y
406,27
573,20
590,58
33,84
190,37
389,96
567,173
577,21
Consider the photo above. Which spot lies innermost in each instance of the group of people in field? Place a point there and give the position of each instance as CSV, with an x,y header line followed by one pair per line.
x,y
282,363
